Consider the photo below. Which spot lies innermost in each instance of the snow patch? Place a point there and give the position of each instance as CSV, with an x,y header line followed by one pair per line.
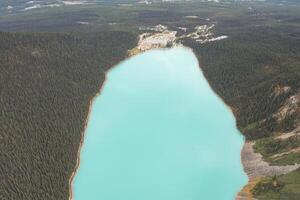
x,y
36,6
74,2
83,23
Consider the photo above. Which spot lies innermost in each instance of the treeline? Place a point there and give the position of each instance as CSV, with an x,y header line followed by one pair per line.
x,y
46,83
246,70
270,146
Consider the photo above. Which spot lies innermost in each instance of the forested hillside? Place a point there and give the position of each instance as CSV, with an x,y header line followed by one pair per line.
x,y
46,83
47,80
254,72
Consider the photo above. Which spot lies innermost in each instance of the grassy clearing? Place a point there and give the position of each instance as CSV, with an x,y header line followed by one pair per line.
x,y
289,191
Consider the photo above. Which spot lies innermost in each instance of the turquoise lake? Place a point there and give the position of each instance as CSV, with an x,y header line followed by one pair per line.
x,y
158,131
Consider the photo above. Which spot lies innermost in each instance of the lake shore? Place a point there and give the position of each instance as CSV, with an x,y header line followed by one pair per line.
x,y
90,105
71,180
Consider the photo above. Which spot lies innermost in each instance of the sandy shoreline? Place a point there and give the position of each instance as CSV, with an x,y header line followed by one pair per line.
x,y
256,168
82,139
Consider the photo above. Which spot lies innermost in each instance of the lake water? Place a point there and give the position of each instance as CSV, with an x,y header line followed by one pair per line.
x,y
159,132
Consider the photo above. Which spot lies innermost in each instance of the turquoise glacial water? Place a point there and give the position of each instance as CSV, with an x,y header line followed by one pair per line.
x,y
159,132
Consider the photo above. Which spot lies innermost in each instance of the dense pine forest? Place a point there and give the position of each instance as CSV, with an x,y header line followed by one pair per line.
x,y
46,84
48,79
